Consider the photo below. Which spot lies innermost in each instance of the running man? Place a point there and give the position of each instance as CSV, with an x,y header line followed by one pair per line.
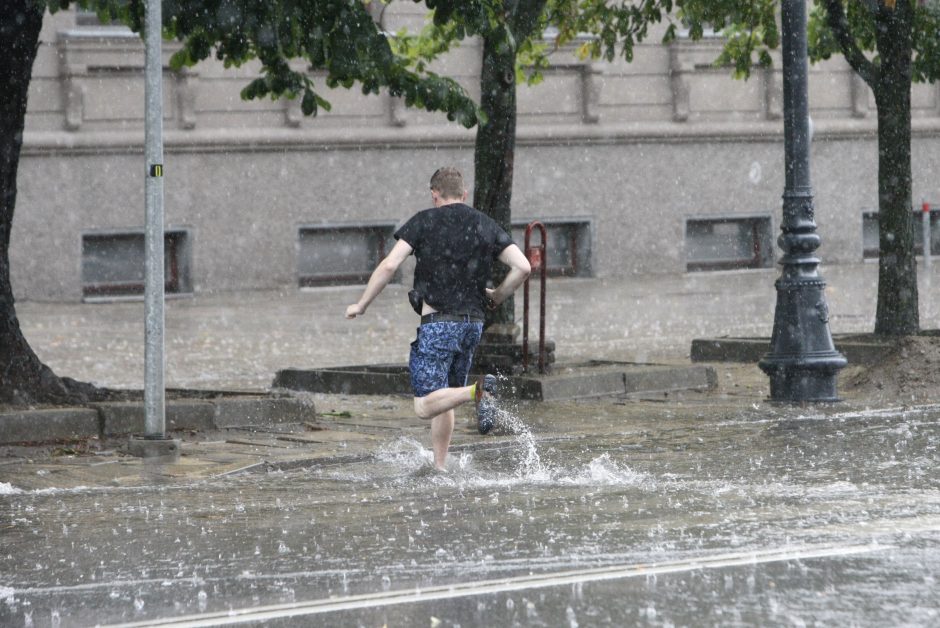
x,y
455,247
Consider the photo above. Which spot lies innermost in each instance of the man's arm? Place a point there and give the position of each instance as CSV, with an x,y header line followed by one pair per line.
x,y
519,269
382,274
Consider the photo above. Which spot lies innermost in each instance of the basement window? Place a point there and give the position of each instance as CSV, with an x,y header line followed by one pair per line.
x,y
728,243
113,264
568,246
331,255
871,231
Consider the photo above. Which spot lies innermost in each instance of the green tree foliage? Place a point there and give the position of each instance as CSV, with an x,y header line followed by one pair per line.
x,y
337,37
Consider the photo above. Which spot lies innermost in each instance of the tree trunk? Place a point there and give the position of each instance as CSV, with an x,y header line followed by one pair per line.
x,y
24,378
494,152
897,309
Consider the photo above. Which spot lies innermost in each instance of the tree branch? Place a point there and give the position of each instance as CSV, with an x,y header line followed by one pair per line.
x,y
839,24
525,17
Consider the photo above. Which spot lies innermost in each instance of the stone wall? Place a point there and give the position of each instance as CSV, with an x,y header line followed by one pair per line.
x,y
634,149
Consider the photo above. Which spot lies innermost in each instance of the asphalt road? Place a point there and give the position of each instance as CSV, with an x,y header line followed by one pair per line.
x,y
590,514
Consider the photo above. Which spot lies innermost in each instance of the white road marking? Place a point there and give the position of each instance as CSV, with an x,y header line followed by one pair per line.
x,y
519,583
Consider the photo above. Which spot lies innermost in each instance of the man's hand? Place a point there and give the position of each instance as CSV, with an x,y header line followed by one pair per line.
x,y
380,277
491,297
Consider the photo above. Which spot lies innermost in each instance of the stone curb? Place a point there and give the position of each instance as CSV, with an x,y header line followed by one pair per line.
x,y
127,417
856,351
608,378
42,426
645,379
261,412
122,418
384,379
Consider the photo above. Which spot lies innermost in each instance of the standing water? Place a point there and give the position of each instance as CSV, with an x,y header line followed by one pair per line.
x,y
596,519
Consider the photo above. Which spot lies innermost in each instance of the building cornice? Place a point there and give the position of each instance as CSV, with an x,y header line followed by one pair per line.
x,y
316,139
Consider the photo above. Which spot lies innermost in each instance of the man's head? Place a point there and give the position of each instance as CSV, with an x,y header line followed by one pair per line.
x,y
447,187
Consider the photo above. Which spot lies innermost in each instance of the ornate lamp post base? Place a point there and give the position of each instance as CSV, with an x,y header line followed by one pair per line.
x,y
799,385
807,377
802,363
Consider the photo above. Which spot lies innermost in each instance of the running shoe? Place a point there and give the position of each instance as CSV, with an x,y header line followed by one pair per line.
x,y
486,405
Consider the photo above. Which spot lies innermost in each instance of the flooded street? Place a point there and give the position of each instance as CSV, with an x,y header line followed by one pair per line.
x,y
704,509
589,515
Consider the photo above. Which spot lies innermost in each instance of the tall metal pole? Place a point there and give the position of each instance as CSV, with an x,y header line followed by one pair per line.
x,y
154,362
802,363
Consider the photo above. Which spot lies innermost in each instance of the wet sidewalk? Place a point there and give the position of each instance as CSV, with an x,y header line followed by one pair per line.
x,y
349,429
683,507
238,341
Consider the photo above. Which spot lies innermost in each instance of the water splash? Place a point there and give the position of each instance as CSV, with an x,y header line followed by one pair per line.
x,y
406,454
8,489
7,595
530,465
604,471
601,470
509,421
411,461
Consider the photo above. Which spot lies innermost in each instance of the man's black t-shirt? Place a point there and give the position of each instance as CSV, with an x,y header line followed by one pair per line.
x,y
454,246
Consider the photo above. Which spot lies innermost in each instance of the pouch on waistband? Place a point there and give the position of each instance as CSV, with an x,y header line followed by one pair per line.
x,y
416,300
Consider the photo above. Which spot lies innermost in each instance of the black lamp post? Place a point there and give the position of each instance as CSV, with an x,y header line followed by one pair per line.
x,y
802,363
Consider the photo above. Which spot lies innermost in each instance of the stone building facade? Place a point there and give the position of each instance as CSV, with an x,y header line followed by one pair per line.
x,y
663,165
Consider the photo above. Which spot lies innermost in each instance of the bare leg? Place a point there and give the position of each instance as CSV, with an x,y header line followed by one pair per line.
x,y
439,407
440,401
442,427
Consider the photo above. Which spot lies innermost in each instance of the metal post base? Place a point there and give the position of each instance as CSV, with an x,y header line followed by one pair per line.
x,y
793,384
802,363
162,450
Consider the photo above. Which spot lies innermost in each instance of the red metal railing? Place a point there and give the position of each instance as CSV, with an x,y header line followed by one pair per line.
x,y
537,259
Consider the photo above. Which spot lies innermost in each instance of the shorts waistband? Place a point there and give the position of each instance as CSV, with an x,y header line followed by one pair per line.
x,y
438,317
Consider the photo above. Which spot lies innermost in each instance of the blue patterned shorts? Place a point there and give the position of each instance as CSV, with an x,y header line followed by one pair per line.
x,y
441,355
